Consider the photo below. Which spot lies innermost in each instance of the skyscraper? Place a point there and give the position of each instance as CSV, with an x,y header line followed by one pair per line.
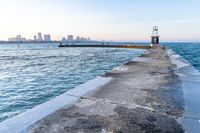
x,y
64,39
47,37
35,38
70,38
39,36
18,38
78,38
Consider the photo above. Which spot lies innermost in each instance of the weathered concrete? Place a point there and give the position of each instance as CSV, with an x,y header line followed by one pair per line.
x,y
146,96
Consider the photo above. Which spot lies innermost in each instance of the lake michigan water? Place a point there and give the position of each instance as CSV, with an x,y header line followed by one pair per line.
x,y
35,73
189,51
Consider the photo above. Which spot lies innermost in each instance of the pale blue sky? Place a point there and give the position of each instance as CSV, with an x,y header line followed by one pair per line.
x,y
118,20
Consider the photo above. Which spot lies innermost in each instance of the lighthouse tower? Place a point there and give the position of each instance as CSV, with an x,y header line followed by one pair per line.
x,y
155,37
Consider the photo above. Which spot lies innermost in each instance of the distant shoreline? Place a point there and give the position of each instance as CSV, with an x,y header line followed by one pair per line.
x,y
126,42
14,42
11,42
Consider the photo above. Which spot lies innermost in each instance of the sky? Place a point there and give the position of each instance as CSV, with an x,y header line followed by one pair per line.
x,y
116,20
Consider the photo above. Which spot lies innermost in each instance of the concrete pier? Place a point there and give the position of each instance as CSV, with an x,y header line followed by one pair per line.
x,y
144,95
106,46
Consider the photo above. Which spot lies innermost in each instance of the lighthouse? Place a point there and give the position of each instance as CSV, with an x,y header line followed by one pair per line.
x,y
155,37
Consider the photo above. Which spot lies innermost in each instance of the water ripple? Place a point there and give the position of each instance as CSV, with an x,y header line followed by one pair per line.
x,y
35,73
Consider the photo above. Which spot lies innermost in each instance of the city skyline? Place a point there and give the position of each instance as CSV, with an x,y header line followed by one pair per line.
x,y
46,38
127,20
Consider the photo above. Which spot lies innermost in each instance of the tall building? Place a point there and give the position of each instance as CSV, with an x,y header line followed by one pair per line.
x,y
78,38
18,38
35,38
47,37
64,39
83,39
39,36
12,39
70,38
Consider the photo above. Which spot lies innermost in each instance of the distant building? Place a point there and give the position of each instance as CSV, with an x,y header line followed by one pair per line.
x,y
29,40
18,38
64,39
39,36
12,39
83,39
70,38
35,38
47,37
77,38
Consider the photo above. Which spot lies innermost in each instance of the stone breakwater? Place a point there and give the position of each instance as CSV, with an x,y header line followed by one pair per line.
x,y
144,95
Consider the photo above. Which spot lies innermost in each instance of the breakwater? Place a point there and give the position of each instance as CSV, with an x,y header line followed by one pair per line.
x,y
143,95
139,98
107,46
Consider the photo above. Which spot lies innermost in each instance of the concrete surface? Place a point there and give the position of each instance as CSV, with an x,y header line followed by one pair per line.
x,y
145,97
22,121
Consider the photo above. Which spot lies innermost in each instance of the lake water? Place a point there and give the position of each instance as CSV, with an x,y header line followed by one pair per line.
x,y
31,74
189,51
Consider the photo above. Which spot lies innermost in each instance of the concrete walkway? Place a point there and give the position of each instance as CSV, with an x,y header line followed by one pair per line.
x,y
144,95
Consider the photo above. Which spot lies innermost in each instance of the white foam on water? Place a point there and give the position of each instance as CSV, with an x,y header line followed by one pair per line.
x,y
20,123
190,78
4,75
120,68
177,59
